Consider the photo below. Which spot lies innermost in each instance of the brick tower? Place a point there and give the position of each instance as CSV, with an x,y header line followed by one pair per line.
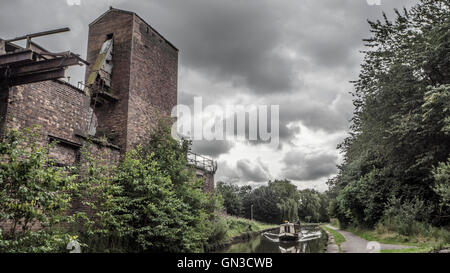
x,y
132,78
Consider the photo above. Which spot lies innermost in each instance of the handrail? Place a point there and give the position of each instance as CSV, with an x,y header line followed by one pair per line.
x,y
202,162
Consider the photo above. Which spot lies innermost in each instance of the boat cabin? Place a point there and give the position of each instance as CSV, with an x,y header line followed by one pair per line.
x,y
288,228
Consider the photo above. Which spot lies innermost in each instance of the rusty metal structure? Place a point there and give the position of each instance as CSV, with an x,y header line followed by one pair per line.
x,y
33,63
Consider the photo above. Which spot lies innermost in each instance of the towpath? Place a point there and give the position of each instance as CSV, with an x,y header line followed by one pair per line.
x,y
355,244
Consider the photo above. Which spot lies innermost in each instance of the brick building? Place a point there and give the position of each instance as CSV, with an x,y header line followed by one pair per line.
x,y
130,83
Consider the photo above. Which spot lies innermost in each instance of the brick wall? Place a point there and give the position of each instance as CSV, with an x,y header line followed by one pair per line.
x,y
60,109
4,93
208,180
208,184
154,78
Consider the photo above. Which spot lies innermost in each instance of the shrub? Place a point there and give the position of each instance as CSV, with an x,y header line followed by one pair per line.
x,y
152,202
33,191
404,217
441,176
219,230
97,224
42,241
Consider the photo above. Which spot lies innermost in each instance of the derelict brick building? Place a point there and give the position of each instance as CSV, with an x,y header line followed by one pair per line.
x,y
131,82
143,79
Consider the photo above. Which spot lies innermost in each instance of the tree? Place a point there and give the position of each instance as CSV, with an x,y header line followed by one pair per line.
x,y
400,129
442,187
156,218
274,203
232,199
33,192
152,202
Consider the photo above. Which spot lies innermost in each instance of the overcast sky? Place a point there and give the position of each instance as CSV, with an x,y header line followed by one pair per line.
x,y
299,54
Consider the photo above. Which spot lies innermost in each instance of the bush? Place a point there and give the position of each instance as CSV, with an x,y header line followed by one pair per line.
x,y
335,222
152,202
36,242
155,217
441,176
405,217
33,191
97,225
219,230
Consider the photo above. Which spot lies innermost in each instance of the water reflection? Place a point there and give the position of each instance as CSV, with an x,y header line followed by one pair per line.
x,y
261,244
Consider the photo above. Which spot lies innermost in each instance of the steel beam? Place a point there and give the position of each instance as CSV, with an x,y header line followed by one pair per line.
x,y
37,48
17,57
38,34
37,77
43,66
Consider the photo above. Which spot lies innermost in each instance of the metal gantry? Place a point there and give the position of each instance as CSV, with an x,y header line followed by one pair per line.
x,y
33,63
202,162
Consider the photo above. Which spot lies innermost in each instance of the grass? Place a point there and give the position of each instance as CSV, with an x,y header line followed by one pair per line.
x,y
338,238
238,226
420,243
334,222
391,237
427,240
386,237
408,250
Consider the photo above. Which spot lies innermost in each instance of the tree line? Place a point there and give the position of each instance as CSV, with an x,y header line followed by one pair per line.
x,y
396,168
275,203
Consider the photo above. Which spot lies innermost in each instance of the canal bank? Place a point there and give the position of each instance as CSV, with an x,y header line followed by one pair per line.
x,y
257,242
242,238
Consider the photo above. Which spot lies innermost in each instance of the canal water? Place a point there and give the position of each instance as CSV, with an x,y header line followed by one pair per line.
x,y
262,244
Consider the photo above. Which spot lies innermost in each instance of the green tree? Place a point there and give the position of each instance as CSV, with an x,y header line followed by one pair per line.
x,y
232,199
156,217
152,202
399,131
313,206
33,192
442,187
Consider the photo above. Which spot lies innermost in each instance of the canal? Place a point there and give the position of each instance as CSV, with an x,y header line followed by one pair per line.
x,y
265,244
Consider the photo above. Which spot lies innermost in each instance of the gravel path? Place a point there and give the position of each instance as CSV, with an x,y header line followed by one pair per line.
x,y
355,244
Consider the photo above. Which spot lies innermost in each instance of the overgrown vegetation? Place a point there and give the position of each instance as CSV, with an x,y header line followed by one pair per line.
x,y
33,191
238,226
275,203
151,202
395,173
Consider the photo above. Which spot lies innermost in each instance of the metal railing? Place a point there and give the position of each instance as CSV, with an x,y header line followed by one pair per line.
x,y
202,162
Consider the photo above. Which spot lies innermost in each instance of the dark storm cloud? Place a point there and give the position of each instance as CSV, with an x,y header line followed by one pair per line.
x,y
331,117
243,41
243,172
212,148
231,41
307,167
